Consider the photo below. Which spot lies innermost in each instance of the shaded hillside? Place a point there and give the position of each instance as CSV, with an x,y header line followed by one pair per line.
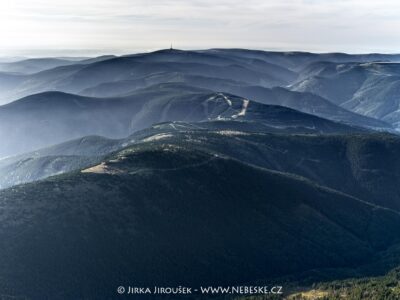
x,y
360,164
370,89
302,101
50,118
169,215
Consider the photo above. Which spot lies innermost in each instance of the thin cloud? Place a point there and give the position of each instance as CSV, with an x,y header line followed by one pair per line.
x,y
123,26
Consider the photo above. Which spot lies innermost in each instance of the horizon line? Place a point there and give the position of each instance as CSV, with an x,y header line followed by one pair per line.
x,y
84,53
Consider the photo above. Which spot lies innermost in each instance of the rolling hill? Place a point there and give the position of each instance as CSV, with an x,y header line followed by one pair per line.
x,y
58,159
53,117
368,89
302,101
167,214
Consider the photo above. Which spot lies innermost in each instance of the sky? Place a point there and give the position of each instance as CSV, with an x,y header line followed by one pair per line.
x,y
94,27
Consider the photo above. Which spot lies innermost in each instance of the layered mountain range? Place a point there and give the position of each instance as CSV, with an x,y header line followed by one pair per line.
x,y
213,167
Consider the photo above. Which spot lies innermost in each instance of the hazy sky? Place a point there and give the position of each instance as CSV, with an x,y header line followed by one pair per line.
x,y
56,27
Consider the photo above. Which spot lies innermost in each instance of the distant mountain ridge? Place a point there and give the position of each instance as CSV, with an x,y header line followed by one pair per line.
x,y
246,73
369,89
53,117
